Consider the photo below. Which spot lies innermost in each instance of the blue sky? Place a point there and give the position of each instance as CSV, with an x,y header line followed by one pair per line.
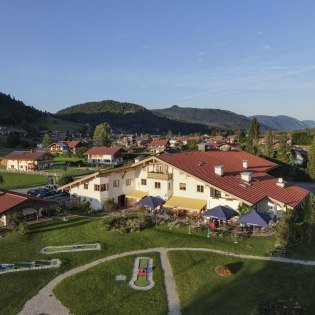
x,y
250,57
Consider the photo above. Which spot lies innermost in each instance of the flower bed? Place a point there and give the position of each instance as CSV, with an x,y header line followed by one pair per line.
x,y
223,271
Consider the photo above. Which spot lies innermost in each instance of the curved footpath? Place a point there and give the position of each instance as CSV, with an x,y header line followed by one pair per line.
x,y
44,302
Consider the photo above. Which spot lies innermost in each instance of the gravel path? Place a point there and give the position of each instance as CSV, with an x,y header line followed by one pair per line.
x,y
46,303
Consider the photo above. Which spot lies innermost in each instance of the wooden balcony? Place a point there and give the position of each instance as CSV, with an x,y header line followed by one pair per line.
x,y
161,176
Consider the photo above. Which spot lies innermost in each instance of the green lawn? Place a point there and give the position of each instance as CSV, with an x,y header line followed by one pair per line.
x,y
57,233
202,291
103,295
17,180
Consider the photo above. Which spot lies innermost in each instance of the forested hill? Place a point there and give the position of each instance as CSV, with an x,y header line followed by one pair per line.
x,y
207,116
282,122
127,117
13,112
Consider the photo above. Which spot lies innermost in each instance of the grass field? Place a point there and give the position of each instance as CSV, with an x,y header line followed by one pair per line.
x,y
17,180
17,288
202,291
104,295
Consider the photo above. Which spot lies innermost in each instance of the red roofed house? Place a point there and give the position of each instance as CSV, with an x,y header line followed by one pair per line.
x,y
194,181
158,146
29,206
74,145
103,155
34,160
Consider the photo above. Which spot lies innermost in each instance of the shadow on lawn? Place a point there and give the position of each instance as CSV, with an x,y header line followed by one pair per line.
x,y
241,293
58,225
235,267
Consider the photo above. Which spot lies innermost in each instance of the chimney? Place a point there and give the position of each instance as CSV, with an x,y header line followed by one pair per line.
x,y
245,164
246,176
281,182
219,170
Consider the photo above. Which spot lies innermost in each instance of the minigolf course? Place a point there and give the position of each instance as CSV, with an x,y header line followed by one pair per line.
x,y
142,277
70,248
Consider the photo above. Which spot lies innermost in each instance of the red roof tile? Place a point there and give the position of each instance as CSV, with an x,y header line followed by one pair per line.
x,y
262,185
10,199
159,143
103,151
26,155
73,143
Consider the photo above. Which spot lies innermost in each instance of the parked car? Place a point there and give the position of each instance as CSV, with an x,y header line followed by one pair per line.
x,y
33,192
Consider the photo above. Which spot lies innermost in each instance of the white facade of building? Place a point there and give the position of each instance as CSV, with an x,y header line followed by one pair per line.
x,y
156,178
104,159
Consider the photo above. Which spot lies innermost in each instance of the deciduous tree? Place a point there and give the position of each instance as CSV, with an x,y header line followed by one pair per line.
x,y
102,135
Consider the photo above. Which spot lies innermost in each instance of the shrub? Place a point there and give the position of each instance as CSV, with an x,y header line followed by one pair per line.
x,y
124,224
65,179
110,205
223,271
273,306
242,208
22,228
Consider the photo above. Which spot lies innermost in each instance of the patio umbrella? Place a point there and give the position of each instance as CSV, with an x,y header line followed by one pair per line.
x,y
220,213
150,202
254,218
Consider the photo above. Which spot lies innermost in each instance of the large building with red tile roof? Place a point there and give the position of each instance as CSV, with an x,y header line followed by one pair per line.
x,y
194,181
104,155
33,160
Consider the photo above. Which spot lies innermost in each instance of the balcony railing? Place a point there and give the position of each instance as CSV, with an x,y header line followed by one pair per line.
x,y
162,176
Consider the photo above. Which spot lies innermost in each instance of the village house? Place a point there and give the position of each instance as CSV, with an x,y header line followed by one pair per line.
x,y
59,147
158,146
74,145
31,208
178,141
193,181
34,160
103,155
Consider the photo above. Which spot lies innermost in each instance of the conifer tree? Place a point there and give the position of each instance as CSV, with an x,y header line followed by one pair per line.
x,y
311,160
269,150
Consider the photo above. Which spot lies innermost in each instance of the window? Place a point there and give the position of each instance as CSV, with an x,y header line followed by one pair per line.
x,y
116,183
143,181
128,181
215,193
104,187
157,185
86,186
96,187
12,166
200,188
182,186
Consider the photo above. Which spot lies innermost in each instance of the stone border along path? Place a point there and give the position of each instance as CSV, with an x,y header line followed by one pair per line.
x,y
46,303
135,275
70,249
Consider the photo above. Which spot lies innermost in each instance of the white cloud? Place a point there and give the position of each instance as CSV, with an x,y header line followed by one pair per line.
x,y
259,33
267,47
